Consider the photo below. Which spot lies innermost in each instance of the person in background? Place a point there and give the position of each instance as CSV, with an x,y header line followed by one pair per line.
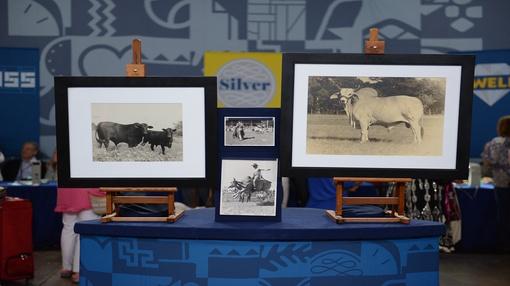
x,y
21,169
75,206
2,159
496,158
51,169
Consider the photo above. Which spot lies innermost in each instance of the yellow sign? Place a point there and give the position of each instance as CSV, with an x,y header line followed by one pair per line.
x,y
492,82
245,79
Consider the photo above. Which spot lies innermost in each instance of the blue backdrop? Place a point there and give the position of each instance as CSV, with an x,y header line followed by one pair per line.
x,y
19,98
491,100
79,37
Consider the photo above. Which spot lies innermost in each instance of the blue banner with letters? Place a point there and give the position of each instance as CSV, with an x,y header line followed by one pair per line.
x,y
491,98
19,98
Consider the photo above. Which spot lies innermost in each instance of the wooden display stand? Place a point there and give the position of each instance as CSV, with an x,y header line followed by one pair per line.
x,y
114,196
396,214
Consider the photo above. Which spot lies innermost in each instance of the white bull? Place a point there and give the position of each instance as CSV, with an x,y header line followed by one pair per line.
x,y
344,97
388,111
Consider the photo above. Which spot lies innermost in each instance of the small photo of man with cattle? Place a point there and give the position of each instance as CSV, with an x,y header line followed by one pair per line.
x,y
136,132
401,116
249,131
248,187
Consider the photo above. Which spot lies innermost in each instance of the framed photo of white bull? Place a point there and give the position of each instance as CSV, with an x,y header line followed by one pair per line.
x,y
136,132
357,115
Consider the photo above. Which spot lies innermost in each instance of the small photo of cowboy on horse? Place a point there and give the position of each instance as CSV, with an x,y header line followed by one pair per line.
x,y
248,187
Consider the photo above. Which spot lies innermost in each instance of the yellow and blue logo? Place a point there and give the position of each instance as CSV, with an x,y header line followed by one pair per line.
x,y
246,79
492,82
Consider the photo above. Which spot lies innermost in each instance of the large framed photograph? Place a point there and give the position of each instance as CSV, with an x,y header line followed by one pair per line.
x,y
376,115
248,190
249,131
117,131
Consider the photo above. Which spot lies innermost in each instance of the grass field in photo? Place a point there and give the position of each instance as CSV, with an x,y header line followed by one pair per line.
x,y
138,153
331,134
231,206
251,138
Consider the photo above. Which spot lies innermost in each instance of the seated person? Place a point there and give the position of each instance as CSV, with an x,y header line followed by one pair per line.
x,y
20,169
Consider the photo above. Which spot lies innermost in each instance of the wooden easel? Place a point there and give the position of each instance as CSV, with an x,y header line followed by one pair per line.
x,y
396,213
114,196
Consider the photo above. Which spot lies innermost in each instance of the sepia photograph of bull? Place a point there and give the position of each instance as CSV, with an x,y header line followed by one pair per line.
x,y
136,132
375,115
249,131
248,187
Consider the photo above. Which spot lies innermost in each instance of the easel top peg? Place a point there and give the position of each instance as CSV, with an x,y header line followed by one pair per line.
x,y
136,69
373,45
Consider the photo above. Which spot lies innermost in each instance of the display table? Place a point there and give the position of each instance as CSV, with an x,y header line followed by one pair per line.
x,y
306,248
46,224
479,217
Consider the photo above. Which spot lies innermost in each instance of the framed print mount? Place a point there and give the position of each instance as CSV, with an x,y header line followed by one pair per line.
x,y
249,190
249,131
135,131
380,116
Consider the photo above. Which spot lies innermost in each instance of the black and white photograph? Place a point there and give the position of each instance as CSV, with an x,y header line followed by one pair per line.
x,y
375,115
137,132
127,131
249,131
248,187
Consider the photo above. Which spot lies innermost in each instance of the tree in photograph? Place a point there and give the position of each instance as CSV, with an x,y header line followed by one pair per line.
x,y
178,127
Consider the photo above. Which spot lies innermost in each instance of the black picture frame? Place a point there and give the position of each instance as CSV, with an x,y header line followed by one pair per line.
x,y
196,98
232,217
242,151
299,67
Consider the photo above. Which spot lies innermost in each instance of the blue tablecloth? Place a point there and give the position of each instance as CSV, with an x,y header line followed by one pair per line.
x,y
296,224
305,248
479,217
47,224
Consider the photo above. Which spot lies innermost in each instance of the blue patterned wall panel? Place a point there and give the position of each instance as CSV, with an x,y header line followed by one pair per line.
x,y
78,37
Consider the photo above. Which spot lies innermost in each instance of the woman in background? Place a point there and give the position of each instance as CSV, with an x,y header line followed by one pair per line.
x,y
496,158
74,204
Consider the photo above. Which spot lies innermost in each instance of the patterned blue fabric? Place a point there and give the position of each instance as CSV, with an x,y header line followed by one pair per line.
x,y
140,261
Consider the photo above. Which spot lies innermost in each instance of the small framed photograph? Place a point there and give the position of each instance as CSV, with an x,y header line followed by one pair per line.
x,y
116,131
249,131
376,115
248,190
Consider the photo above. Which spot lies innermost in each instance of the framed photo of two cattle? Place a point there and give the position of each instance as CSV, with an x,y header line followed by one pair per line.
x,y
119,131
376,115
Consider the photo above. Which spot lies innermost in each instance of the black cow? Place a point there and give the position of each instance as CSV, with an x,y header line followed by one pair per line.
x,y
161,138
131,134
